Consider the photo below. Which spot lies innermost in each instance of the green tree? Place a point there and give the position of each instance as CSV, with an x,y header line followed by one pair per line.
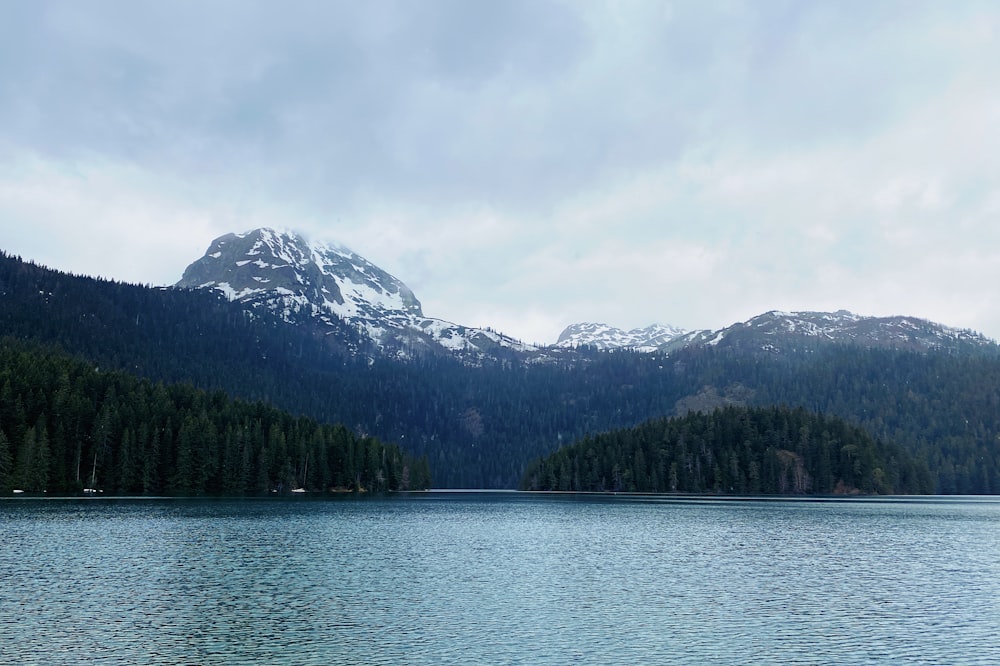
x,y
6,465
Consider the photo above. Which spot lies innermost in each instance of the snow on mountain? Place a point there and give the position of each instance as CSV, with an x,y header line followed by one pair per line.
x,y
327,284
781,331
778,331
602,336
340,291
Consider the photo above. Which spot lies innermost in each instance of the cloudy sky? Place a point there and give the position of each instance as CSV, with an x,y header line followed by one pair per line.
x,y
524,164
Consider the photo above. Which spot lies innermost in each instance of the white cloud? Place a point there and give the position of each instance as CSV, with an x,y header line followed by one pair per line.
x,y
108,221
537,163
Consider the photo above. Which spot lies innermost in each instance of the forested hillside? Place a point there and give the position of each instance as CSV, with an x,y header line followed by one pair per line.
x,y
479,426
733,450
168,334
66,426
942,408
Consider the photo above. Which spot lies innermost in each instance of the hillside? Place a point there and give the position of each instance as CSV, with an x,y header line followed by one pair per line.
x,y
734,450
479,425
777,332
66,426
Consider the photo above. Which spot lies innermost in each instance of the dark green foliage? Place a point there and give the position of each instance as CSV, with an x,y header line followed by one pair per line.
x,y
65,426
477,426
733,450
943,409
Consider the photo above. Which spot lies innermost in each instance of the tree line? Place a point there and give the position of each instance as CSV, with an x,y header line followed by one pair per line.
x,y
67,426
480,424
741,450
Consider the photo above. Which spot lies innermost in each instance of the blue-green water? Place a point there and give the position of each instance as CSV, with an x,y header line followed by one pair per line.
x,y
499,579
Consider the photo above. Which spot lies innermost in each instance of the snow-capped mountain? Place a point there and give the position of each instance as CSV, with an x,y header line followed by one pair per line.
x,y
343,293
326,284
777,331
602,336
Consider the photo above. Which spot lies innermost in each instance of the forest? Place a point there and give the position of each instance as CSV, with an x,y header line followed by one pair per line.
x,y
67,426
479,424
733,450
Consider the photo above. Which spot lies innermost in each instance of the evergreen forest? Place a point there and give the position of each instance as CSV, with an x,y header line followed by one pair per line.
x,y
478,422
66,426
741,450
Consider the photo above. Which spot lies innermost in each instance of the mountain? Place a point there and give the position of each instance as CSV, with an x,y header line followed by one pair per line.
x,y
479,424
778,332
602,336
336,292
323,285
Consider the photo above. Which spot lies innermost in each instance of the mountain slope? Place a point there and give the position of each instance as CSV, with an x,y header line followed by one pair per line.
x,y
144,438
266,267
480,424
739,450
602,336
777,331
326,287
321,285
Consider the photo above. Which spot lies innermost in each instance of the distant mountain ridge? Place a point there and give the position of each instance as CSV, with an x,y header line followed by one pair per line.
x,y
603,336
328,286
778,331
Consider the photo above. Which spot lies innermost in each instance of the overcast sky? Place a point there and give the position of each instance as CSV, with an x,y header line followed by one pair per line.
x,y
524,164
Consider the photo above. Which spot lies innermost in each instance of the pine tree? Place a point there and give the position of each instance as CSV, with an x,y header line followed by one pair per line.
x,y
6,465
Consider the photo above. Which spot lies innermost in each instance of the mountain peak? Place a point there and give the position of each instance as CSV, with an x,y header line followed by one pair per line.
x,y
603,336
323,277
777,330
329,284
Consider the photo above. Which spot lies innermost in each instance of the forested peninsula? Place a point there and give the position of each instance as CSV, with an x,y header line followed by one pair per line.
x,y
734,450
66,426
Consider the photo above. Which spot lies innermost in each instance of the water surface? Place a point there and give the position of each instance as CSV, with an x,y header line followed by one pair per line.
x,y
499,579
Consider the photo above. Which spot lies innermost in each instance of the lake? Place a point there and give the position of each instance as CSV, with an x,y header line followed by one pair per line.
x,y
500,578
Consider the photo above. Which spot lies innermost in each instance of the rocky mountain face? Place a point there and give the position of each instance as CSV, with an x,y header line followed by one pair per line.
x,y
333,289
777,331
602,336
327,285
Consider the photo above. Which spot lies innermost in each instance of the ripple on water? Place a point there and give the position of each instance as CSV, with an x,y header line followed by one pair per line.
x,y
493,580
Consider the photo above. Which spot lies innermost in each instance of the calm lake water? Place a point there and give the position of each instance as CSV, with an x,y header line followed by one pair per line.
x,y
499,579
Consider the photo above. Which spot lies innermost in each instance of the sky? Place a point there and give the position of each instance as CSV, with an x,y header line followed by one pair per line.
x,y
524,164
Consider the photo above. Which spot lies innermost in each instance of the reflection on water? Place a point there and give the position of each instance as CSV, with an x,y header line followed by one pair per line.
x,y
499,579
